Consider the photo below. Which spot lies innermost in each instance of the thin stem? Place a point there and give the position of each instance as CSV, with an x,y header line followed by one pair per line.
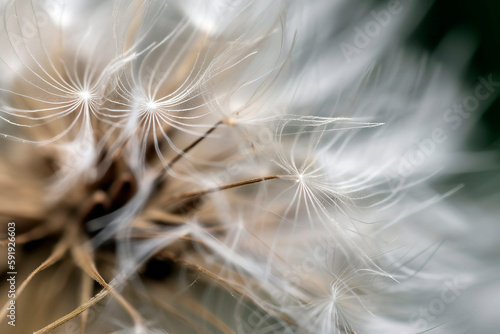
x,y
189,148
94,300
200,193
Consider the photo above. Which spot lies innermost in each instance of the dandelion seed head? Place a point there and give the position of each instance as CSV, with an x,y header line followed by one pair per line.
x,y
231,148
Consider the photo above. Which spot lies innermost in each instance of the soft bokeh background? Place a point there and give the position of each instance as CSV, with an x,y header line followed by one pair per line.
x,y
481,18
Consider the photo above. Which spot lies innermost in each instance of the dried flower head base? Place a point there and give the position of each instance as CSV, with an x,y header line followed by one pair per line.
x,y
195,167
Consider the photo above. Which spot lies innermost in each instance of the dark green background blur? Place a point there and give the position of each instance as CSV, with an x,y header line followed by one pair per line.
x,y
482,18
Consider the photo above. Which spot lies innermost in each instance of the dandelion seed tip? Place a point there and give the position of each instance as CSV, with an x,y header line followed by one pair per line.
x,y
230,121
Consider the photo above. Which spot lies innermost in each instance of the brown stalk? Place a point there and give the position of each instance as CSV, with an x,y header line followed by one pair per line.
x,y
91,302
200,193
56,255
188,148
86,294
85,261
